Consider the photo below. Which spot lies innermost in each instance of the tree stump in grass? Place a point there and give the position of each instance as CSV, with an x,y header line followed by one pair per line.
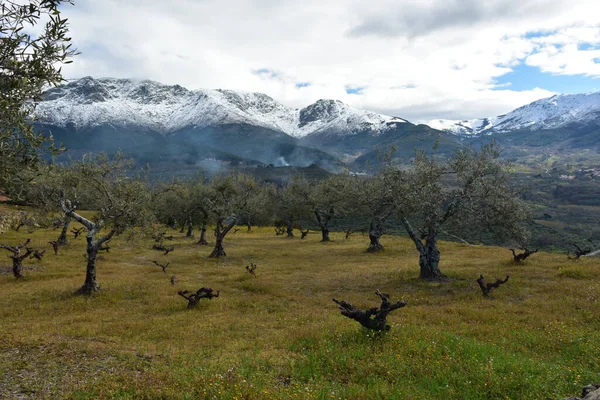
x,y
373,318
18,257
522,256
486,288
194,298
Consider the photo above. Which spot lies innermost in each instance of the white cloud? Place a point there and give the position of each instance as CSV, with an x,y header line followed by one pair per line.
x,y
415,59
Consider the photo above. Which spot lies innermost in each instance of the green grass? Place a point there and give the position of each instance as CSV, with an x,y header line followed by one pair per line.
x,y
280,336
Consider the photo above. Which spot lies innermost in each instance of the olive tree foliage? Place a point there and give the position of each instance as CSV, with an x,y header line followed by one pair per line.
x,y
324,200
44,192
375,199
288,202
121,202
260,207
226,199
28,63
176,204
471,190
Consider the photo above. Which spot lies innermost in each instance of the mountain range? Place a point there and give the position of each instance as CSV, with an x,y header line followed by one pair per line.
x,y
161,124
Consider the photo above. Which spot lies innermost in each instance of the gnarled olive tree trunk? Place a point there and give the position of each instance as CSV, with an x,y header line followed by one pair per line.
x,y
90,284
223,227
62,239
190,230
375,233
290,228
429,254
203,240
323,218
93,244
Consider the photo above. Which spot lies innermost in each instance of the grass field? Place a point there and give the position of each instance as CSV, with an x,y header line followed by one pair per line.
x,y
280,336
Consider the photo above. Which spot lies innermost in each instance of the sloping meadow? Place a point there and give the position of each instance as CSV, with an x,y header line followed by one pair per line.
x,y
279,335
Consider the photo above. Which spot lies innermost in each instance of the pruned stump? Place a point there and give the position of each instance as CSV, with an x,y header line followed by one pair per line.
x,y
486,288
163,266
38,255
76,232
55,245
18,257
194,298
251,268
57,223
160,247
372,318
578,252
518,258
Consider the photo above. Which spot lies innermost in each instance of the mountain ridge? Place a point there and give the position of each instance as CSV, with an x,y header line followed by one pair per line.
x,y
89,102
163,124
553,112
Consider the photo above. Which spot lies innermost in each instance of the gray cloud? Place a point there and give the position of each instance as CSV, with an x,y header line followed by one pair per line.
x,y
426,17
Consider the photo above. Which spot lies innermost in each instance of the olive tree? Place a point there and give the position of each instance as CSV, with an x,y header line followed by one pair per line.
x,y
325,199
471,191
226,199
28,63
176,202
121,201
289,203
375,200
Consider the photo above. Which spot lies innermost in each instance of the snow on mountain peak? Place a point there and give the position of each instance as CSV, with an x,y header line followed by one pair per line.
x,y
90,102
549,113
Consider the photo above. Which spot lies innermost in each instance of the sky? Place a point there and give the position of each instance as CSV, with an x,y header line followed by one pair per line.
x,y
416,59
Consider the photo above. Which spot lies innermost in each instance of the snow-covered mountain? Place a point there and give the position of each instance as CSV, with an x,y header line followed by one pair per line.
x,y
554,112
90,102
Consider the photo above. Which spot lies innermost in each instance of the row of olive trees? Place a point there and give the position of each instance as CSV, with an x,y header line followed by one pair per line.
x,y
471,189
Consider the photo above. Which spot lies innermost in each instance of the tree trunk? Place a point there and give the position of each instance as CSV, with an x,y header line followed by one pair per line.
x,y
325,234
290,229
429,259
429,254
203,240
62,239
90,284
374,246
218,251
323,221
375,232
190,230
223,227
17,267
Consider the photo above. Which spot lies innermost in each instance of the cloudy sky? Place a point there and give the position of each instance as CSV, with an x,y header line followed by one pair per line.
x,y
417,59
